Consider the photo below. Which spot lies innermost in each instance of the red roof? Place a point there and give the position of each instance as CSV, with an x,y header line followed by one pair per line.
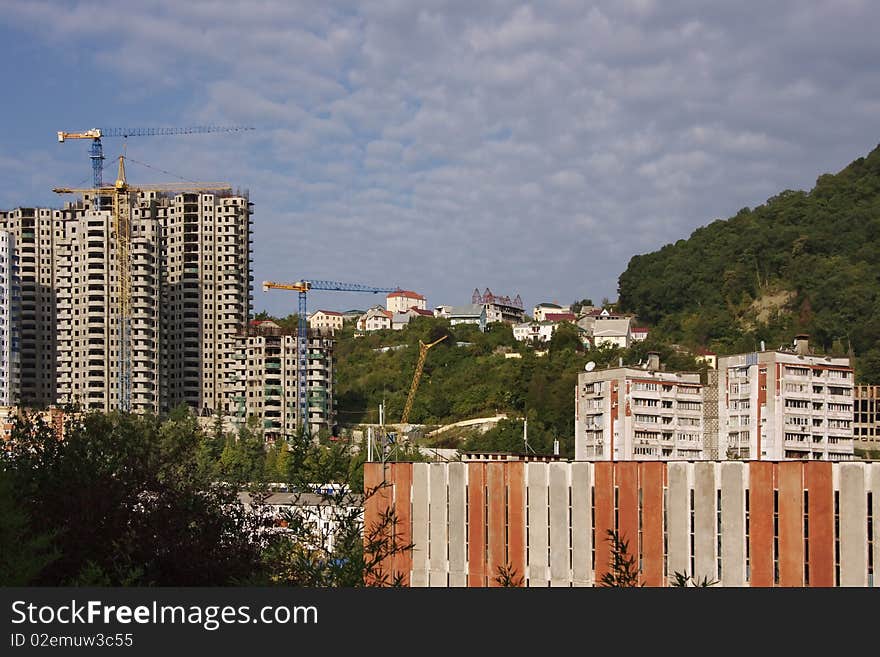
x,y
257,322
638,330
409,294
329,312
559,317
420,311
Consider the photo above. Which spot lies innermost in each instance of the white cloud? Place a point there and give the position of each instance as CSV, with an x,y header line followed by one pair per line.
x,y
528,147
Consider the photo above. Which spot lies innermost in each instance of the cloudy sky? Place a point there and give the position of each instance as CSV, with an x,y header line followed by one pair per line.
x,y
442,146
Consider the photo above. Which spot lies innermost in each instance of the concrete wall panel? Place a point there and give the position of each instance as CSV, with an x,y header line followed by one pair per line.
x,y
853,525
538,524
457,496
581,524
438,549
791,523
420,519
733,526
818,480
678,519
560,571
651,477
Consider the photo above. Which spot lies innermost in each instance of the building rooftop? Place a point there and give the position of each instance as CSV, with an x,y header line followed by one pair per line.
x,y
409,294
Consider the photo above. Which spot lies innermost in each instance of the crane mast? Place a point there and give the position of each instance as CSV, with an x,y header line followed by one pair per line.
x,y
423,353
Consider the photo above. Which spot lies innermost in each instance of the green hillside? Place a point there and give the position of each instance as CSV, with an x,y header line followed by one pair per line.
x,y
801,262
468,376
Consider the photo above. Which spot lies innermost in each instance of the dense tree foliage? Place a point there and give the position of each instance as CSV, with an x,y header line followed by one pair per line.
x,y
802,262
135,500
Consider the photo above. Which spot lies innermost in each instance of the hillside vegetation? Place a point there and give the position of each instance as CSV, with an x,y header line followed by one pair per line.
x,y
801,262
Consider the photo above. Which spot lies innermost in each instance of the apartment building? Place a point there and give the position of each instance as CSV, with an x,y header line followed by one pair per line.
x,y
631,413
35,231
263,381
785,404
191,290
10,297
866,417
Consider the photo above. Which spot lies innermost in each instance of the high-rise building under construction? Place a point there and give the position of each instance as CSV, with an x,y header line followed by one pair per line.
x,y
190,294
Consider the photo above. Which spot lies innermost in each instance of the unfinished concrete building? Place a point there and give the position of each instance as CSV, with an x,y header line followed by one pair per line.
x,y
190,285
263,382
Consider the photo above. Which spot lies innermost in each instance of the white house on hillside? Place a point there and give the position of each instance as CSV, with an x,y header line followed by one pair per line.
x,y
400,301
326,321
375,319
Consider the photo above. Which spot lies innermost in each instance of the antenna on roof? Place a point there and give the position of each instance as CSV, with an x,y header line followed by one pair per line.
x,y
590,366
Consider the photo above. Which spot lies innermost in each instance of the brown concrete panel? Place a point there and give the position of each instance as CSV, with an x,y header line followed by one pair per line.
x,y
761,522
476,535
402,561
817,479
496,518
604,509
626,477
651,475
377,501
791,523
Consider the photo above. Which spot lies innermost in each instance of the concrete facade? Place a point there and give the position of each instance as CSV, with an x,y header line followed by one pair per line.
x,y
866,417
10,309
735,523
190,287
628,413
263,382
36,231
785,405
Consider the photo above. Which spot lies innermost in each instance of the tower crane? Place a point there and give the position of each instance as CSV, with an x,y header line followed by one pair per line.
x,y
302,287
96,151
121,193
423,353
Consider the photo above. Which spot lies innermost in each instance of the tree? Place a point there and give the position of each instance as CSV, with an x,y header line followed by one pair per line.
x,y
622,570
125,503
24,552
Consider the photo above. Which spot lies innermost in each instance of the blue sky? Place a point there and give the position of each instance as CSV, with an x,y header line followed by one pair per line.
x,y
442,146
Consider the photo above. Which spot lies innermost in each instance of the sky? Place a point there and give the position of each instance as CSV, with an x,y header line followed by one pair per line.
x,y
444,146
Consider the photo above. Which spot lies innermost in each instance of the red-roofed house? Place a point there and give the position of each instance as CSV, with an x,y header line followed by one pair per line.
x,y
400,301
263,323
326,321
560,317
639,333
375,319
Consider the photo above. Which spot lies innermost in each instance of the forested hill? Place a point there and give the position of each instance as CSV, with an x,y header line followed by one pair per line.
x,y
801,262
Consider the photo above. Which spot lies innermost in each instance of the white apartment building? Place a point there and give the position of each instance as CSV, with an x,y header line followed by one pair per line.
x,y
263,381
400,301
35,231
10,296
191,290
630,413
789,404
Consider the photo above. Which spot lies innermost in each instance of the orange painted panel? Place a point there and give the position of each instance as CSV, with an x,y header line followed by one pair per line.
x,y
817,479
761,522
476,496
791,523
378,498
651,475
626,476
516,518
604,500
402,561
496,518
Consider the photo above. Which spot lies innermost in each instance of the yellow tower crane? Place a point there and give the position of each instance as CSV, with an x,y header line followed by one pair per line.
x,y
121,193
423,353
